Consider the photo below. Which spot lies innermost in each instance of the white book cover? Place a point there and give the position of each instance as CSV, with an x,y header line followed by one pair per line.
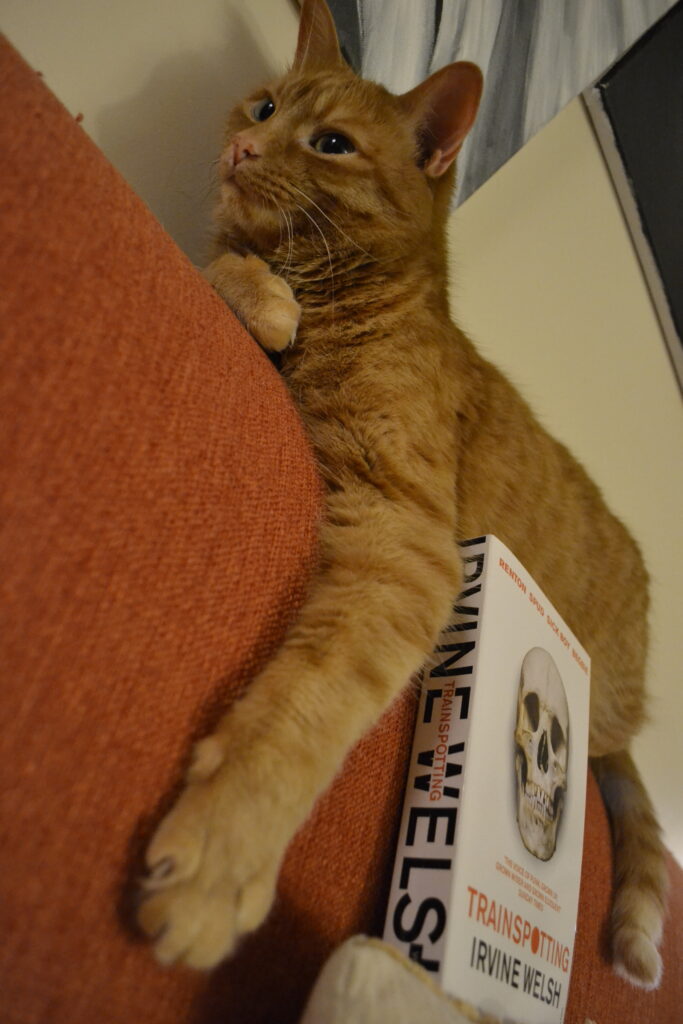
x,y
486,881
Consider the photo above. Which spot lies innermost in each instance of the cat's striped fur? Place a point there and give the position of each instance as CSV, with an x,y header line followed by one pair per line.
x,y
419,441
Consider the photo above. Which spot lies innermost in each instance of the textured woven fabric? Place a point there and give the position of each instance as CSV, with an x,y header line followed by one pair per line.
x,y
595,992
159,522
159,511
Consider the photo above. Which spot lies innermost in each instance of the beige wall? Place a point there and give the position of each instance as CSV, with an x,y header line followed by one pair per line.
x,y
153,80
544,278
546,281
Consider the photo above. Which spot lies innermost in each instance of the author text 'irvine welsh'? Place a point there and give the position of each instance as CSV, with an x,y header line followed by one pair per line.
x,y
486,880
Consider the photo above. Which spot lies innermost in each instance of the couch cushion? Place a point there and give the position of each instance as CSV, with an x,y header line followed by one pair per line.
x,y
595,991
160,508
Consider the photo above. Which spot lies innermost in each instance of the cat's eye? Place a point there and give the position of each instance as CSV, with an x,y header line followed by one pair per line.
x,y
262,110
333,144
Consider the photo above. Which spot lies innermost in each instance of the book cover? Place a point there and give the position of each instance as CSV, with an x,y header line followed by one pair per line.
x,y
486,881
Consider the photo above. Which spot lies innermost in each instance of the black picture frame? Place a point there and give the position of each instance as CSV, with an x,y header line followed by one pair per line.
x,y
637,111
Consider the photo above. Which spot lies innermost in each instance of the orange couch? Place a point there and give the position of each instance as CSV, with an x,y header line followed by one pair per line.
x,y
159,516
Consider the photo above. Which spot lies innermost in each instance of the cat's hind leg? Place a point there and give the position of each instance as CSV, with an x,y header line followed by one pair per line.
x,y
640,874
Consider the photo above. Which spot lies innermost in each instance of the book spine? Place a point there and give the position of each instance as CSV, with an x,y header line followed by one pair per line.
x,y
419,903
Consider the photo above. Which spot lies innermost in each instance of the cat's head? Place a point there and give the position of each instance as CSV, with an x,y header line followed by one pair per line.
x,y
323,152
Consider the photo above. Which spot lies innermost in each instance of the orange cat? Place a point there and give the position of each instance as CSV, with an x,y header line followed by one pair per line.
x,y
333,206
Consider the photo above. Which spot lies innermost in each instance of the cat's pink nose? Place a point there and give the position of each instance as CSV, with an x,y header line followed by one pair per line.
x,y
243,147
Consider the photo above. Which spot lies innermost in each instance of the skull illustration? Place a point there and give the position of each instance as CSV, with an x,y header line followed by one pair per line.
x,y
541,752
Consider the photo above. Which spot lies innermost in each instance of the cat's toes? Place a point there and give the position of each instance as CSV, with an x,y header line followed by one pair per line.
x,y
187,927
275,321
210,878
636,958
263,301
638,920
199,921
207,757
175,852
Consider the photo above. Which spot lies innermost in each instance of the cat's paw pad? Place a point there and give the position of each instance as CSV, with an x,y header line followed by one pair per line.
x,y
637,959
210,878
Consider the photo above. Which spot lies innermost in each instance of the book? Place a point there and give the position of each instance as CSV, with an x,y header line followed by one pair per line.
x,y
486,881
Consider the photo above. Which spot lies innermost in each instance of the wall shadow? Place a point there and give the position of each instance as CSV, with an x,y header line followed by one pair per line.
x,y
165,140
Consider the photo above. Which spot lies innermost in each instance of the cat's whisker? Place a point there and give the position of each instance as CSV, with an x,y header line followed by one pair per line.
x,y
207,191
282,266
279,220
290,254
284,269
212,178
335,226
329,255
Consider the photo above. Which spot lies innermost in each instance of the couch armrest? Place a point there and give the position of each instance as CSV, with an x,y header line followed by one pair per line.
x,y
160,507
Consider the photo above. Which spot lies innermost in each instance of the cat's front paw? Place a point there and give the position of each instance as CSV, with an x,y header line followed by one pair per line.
x,y
263,301
212,870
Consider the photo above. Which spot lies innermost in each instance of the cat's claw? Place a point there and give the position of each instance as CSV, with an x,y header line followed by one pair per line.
x,y
263,301
159,872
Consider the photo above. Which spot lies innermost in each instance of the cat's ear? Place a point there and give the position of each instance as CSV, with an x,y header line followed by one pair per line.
x,y
317,46
443,109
